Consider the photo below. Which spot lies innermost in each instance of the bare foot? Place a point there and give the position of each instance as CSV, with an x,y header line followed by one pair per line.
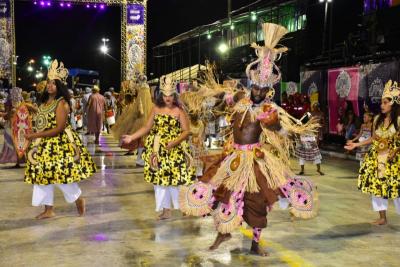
x,y
219,240
379,222
165,215
38,216
46,215
321,173
256,250
81,206
300,173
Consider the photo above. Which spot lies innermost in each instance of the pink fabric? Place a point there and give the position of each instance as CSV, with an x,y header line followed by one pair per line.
x,y
337,104
95,113
256,234
247,146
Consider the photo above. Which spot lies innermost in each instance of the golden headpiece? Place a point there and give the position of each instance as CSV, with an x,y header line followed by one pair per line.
x,y
392,91
263,75
167,86
57,71
96,88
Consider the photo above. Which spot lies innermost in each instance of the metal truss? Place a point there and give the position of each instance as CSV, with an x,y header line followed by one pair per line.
x,y
122,3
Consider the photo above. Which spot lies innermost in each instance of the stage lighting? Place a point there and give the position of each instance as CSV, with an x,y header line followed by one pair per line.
x,y
87,6
35,3
95,6
222,48
102,6
48,3
41,3
69,5
61,4
253,16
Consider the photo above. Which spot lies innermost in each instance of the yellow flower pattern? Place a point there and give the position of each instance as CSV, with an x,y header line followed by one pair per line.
x,y
173,169
385,181
55,156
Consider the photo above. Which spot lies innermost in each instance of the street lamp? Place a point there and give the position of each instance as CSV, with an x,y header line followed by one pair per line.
x,y
253,16
104,48
46,60
325,22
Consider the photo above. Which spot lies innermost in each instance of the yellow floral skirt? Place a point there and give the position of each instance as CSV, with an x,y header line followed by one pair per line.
x,y
379,176
61,159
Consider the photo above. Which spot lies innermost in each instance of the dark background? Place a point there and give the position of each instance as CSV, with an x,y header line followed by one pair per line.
x,y
74,35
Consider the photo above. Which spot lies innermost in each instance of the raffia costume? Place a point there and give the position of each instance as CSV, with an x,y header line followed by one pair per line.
x,y
249,178
380,176
135,114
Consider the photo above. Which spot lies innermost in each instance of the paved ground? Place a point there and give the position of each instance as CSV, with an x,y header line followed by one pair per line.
x,y
120,227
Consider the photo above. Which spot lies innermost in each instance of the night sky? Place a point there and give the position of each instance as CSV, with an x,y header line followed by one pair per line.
x,y
74,35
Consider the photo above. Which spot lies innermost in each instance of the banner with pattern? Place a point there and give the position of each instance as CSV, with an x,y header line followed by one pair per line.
x,y
312,85
373,78
135,38
6,40
343,88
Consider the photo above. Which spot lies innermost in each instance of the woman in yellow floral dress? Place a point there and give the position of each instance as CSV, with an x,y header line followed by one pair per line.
x,y
167,160
379,173
56,156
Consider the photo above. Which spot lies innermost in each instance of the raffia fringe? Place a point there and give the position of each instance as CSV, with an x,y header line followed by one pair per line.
x,y
225,228
188,209
307,214
271,167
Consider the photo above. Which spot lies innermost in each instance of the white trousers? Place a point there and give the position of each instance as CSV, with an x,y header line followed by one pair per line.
x,y
316,161
165,195
44,194
380,204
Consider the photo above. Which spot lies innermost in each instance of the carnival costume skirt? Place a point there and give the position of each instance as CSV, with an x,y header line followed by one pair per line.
x,y
243,185
61,159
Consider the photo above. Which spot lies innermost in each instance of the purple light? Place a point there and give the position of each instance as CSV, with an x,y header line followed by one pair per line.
x,y
41,3
101,6
68,4
95,6
48,4
87,6
61,4
35,3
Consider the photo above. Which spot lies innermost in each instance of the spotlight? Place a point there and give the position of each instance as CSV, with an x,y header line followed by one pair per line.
x,y
61,4
35,3
48,3
42,3
209,36
95,6
87,6
101,6
232,26
30,68
69,5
